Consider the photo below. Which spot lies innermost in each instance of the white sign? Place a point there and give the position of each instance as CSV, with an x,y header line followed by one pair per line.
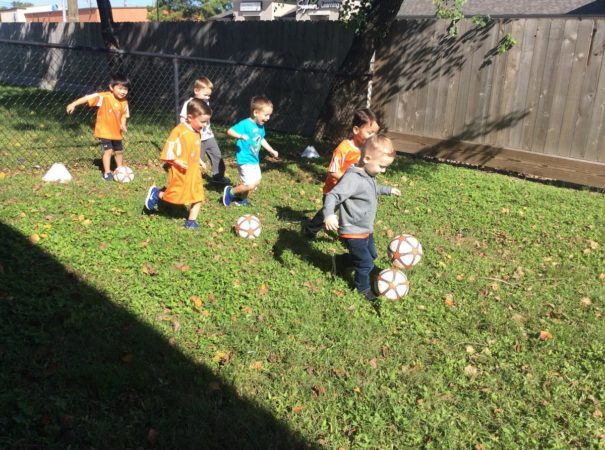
x,y
250,6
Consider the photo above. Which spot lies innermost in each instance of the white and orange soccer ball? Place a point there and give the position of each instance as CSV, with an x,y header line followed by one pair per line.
x,y
392,284
248,227
123,174
405,251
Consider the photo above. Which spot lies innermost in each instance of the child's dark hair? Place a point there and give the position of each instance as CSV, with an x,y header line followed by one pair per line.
x,y
197,107
363,116
119,78
259,102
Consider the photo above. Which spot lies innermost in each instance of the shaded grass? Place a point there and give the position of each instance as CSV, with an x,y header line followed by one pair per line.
x,y
457,363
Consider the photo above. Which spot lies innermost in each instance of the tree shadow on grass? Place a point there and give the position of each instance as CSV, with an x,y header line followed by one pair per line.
x,y
78,371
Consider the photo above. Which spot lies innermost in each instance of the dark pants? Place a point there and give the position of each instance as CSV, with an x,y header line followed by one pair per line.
x,y
211,149
361,256
316,224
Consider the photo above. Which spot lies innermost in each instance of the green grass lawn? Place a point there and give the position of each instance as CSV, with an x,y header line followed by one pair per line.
x,y
123,330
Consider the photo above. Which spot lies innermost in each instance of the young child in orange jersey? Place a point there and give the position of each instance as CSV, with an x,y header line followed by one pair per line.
x,y
345,155
111,119
182,153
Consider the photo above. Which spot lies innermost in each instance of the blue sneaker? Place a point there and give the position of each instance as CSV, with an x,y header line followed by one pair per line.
x,y
153,196
243,201
108,176
227,196
191,224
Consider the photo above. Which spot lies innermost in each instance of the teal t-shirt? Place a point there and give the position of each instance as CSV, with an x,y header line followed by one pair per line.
x,y
247,152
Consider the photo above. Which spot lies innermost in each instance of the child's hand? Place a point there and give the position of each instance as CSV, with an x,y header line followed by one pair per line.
x,y
202,164
274,154
244,137
70,108
395,191
331,222
123,128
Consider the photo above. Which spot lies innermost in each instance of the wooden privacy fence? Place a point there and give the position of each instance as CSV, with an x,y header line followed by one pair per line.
x,y
537,109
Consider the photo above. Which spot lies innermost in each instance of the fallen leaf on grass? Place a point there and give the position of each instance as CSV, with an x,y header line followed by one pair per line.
x,y
221,357
545,335
449,300
256,365
148,269
214,386
196,301
586,301
263,289
372,363
318,390
34,238
471,371
597,414
152,435
103,246
297,409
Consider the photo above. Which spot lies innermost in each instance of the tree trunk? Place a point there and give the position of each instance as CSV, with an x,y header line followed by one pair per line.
x,y
350,88
109,37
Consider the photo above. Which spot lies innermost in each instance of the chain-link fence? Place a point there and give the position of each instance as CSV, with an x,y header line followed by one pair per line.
x,y
37,81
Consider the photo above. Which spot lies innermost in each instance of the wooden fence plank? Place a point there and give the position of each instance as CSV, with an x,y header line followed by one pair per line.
x,y
465,80
497,91
511,75
520,96
534,87
578,74
591,113
563,73
553,50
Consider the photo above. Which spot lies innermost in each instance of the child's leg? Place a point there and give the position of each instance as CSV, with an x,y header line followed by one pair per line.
x,y
214,155
362,260
250,177
194,210
118,158
107,161
117,151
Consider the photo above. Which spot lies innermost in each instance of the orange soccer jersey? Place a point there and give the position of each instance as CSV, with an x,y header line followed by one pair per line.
x,y
109,115
183,188
344,156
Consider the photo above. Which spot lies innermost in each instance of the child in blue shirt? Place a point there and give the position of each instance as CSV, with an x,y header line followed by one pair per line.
x,y
250,135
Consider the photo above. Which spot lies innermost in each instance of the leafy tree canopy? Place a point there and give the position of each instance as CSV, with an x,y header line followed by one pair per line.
x,y
174,10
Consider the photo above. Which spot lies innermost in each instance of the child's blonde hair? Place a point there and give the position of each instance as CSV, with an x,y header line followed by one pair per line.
x,y
259,102
378,145
203,82
197,107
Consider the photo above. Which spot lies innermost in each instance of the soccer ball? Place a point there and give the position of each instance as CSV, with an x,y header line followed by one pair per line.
x,y
123,174
392,284
405,251
248,227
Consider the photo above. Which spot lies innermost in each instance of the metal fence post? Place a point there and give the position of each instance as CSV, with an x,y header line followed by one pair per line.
x,y
175,65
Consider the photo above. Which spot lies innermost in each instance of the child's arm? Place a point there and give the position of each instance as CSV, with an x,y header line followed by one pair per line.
x,y
82,100
123,123
234,134
264,144
342,191
387,190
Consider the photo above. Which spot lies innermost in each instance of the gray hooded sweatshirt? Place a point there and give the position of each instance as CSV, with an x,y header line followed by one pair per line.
x,y
357,196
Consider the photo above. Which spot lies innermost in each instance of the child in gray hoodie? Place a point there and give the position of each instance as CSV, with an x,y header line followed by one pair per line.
x,y
356,197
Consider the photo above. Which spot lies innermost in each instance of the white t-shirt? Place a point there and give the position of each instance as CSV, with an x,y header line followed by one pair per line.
x,y
206,131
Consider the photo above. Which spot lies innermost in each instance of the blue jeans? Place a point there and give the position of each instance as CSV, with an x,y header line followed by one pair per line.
x,y
362,253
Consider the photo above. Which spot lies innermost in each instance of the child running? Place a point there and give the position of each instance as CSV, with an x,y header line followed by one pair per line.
x,y
111,119
250,135
182,153
356,197
345,155
202,89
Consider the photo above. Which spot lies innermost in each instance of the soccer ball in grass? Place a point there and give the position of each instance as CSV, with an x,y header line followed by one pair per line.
x,y
248,227
123,174
405,251
392,284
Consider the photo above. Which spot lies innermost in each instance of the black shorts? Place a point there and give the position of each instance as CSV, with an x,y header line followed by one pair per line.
x,y
109,144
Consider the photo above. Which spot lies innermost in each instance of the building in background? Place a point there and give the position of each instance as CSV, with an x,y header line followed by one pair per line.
x,y
54,13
